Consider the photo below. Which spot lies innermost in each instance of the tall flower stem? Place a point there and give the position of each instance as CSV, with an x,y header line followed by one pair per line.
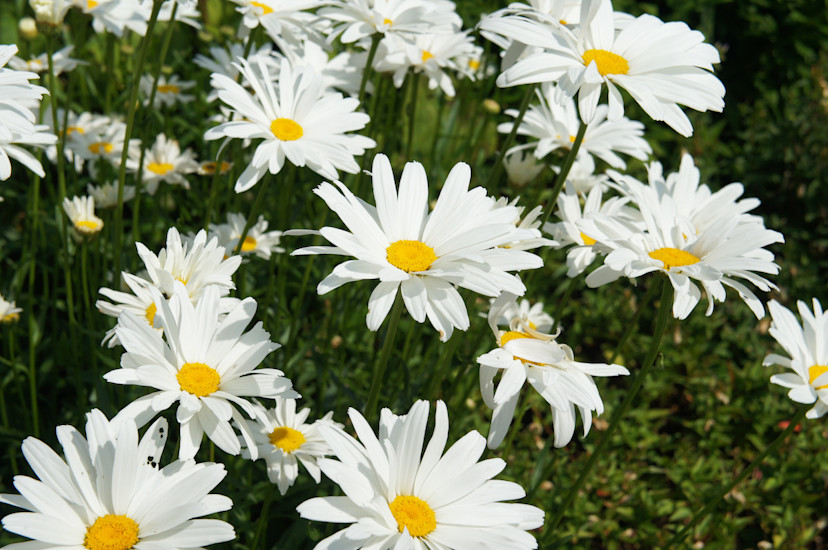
x,y
717,498
498,167
130,123
660,326
366,72
385,355
139,175
412,114
567,166
254,212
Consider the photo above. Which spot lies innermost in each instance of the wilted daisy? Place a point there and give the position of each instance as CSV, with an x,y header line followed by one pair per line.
x,y
258,241
81,211
661,65
206,363
284,439
715,256
807,346
397,496
297,122
556,127
421,254
197,265
109,493
170,90
164,161
9,312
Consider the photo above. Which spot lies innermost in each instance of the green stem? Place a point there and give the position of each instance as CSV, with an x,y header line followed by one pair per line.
x,y
498,167
634,323
132,107
254,212
660,326
567,166
385,355
369,66
214,188
570,287
437,375
717,498
261,523
412,115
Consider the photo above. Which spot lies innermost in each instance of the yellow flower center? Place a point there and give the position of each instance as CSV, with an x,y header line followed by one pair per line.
x,y
588,241
168,89
111,532
264,7
198,379
387,21
286,129
159,168
413,513
11,317
88,226
91,4
286,439
563,22
815,372
99,145
427,55
510,335
410,255
150,313
249,244
210,167
673,257
77,129
474,64
607,62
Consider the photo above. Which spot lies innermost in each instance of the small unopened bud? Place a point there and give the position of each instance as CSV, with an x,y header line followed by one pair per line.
x,y
27,27
491,106
336,341
50,12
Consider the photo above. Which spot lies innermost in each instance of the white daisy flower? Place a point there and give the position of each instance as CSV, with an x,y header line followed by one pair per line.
x,y
50,12
81,212
9,312
169,91
40,63
10,141
582,177
286,23
660,64
534,356
342,72
205,363
114,15
198,265
568,231
284,439
298,123
221,61
140,302
423,255
164,161
358,19
524,316
187,12
715,256
807,346
106,195
78,134
106,144
521,167
398,496
556,127
109,493
258,241
529,225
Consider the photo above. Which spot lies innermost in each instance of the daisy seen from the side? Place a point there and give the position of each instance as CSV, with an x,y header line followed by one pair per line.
x,y
398,495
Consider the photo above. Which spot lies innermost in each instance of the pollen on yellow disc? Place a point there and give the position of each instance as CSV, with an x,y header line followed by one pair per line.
x,y
101,145
265,8
91,4
589,241
673,257
510,335
88,226
607,62
427,55
159,168
111,532
386,21
150,313
413,513
410,255
198,379
286,129
286,439
249,244
815,372
168,89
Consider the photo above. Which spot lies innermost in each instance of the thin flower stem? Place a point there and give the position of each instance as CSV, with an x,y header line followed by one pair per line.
x,y
498,166
412,115
567,166
634,323
662,317
214,189
385,355
521,412
570,287
254,212
139,175
366,71
261,523
717,498
437,375
132,107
